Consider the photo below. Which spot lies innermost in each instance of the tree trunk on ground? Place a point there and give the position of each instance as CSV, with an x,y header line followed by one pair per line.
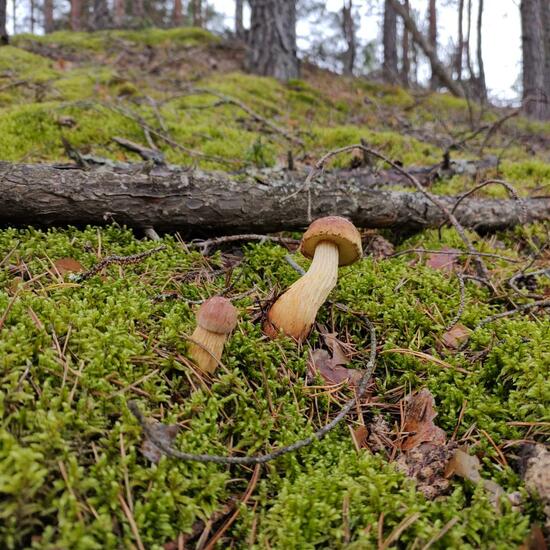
x,y
239,25
119,13
481,84
203,202
100,16
389,40
432,39
272,39
76,14
460,42
48,16
405,60
177,14
534,97
437,68
4,39
348,30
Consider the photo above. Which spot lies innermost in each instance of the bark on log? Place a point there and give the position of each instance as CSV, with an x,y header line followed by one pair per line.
x,y
171,199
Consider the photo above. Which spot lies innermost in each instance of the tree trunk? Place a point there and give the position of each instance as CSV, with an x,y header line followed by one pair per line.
x,y
4,38
203,202
138,9
481,84
239,25
196,8
119,13
460,42
534,100
48,16
349,36
405,59
468,36
437,68
76,15
545,10
32,15
177,14
272,39
100,16
389,40
432,39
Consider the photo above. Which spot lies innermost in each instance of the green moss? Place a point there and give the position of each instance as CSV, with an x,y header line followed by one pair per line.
x,y
62,472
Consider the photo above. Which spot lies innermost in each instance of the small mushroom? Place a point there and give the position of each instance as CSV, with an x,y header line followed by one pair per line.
x,y
216,318
330,241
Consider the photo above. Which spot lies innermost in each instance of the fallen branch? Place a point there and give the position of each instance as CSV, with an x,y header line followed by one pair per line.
x,y
261,459
170,199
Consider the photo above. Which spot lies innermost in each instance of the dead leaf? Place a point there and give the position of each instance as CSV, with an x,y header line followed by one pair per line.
x,y
468,467
68,265
339,357
360,437
321,362
455,336
418,421
535,540
164,433
444,262
536,474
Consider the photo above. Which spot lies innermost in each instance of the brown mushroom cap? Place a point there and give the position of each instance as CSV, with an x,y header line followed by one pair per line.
x,y
337,230
217,315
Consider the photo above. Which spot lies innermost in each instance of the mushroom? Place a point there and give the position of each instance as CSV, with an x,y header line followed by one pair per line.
x,y
216,318
330,241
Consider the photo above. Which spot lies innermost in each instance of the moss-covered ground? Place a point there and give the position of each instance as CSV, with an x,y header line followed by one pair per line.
x,y
71,354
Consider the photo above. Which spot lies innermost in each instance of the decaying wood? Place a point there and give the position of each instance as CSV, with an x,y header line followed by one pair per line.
x,y
170,198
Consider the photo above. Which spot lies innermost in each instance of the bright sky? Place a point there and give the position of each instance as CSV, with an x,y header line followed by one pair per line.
x,y
501,39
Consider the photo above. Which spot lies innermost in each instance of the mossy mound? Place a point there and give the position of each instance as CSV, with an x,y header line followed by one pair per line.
x,y
72,354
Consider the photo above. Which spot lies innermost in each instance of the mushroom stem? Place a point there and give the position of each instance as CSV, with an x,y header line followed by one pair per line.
x,y
207,357
295,311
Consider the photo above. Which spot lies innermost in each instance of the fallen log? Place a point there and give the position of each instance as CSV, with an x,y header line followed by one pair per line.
x,y
169,199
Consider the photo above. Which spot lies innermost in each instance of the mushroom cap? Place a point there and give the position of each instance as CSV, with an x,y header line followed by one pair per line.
x,y
217,315
337,230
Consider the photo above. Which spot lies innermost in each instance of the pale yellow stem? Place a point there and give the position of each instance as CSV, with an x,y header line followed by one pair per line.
x,y
295,311
206,358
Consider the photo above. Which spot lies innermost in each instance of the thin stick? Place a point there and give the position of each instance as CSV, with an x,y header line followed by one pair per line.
x,y
461,252
263,458
206,245
519,309
462,304
446,528
131,521
114,259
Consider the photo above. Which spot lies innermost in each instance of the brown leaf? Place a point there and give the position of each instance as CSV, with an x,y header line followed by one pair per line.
x,y
164,433
418,421
333,373
360,437
335,346
455,336
68,265
536,474
444,262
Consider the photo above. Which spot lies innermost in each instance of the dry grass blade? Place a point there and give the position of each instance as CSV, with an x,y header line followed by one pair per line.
x,y
425,357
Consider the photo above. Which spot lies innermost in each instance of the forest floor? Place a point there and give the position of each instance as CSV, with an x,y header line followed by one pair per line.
x,y
73,471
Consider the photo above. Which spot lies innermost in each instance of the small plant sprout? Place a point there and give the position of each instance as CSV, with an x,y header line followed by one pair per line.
x,y
216,319
331,242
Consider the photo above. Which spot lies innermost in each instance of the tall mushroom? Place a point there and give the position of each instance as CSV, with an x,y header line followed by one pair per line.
x,y
216,318
330,241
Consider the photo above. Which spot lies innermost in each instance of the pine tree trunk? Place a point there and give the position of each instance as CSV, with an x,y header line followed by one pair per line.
x,y
405,59
119,13
534,100
432,38
76,14
272,39
389,40
467,44
349,36
545,10
177,14
4,39
100,16
239,25
48,16
481,84
196,7
460,42
437,68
